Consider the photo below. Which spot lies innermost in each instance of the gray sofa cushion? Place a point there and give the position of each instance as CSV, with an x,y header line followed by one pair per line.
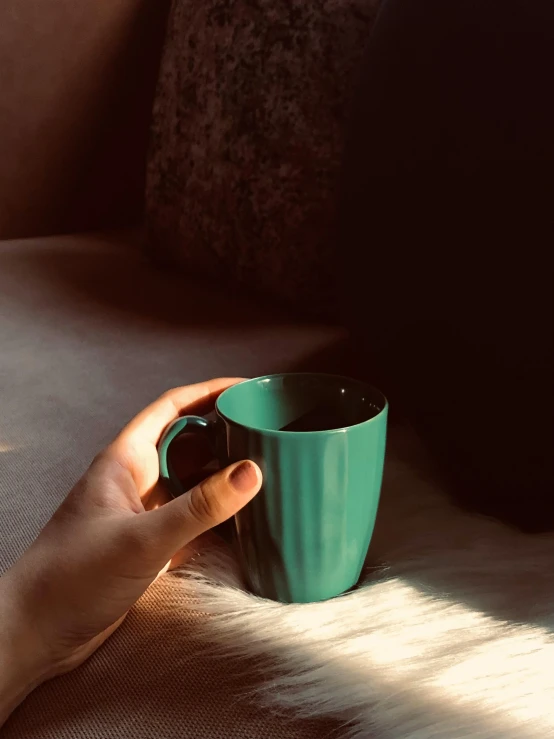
x,y
89,334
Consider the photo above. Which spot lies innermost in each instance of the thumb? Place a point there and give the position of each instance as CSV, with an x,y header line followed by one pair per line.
x,y
208,504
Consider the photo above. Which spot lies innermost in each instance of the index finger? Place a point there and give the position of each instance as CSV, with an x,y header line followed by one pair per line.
x,y
150,423
134,449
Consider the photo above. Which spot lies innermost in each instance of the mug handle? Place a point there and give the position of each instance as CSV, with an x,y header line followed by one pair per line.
x,y
196,424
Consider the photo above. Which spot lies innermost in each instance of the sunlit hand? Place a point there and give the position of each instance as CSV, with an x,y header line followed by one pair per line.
x,y
103,547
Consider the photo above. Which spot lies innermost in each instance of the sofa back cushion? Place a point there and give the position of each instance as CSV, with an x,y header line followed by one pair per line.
x,y
247,140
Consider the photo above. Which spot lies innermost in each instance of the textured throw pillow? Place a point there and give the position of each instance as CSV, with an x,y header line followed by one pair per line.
x,y
247,140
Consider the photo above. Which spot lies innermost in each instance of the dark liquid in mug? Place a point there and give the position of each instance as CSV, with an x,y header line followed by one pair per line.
x,y
318,419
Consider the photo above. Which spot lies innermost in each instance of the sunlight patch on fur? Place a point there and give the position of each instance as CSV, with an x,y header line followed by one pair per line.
x,y
453,638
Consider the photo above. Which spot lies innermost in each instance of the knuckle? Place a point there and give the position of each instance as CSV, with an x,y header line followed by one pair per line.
x,y
100,459
169,396
203,504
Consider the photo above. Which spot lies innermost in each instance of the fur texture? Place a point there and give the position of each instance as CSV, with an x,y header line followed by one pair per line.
x,y
450,637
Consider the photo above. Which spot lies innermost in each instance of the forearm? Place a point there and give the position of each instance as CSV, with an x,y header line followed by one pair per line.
x,y
22,666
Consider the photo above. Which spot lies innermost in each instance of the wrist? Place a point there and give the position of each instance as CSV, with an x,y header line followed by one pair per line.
x,y
23,664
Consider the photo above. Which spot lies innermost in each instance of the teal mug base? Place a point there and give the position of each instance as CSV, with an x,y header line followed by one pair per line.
x,y
320,595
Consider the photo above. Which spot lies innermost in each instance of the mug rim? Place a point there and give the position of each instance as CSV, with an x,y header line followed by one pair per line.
x,y
280,432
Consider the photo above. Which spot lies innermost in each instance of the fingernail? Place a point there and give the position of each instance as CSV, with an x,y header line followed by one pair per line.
x,y
244,477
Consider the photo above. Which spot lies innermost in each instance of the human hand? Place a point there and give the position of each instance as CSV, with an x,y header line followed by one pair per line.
x,y
103,547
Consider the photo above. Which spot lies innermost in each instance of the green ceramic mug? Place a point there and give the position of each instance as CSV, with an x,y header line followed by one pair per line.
x,y
320,443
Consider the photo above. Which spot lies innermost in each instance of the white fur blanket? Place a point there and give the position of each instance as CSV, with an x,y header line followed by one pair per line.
x,y
451,637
